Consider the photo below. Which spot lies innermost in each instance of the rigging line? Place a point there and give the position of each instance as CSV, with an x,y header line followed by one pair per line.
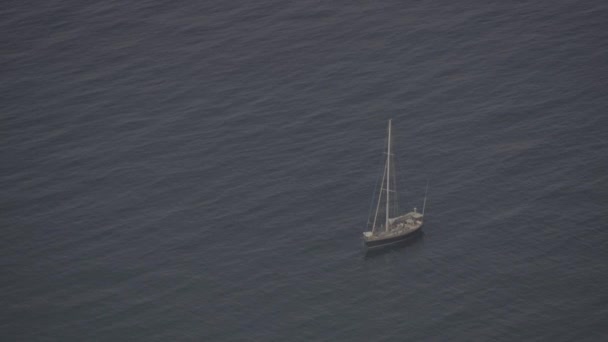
x,y
425,194
371,205
388,177
395,166
379,200
397,161
395,205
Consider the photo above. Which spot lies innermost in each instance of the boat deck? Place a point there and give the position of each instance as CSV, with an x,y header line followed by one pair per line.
x,y
402,225
400,230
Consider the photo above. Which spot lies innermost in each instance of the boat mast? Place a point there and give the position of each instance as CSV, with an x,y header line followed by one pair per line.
x,y
388,175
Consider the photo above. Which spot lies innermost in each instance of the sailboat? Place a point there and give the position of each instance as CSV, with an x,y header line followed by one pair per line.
x,y
388,226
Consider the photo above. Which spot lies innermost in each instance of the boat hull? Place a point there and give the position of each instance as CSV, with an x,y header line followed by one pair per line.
x,y
379,243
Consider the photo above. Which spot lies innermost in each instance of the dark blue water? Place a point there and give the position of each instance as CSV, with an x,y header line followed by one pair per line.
x,y
203,171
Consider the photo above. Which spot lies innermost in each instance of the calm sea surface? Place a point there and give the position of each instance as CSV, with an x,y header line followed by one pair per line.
x,y
203,170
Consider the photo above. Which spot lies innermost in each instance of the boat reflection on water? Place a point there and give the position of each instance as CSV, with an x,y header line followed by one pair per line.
x,y
415,240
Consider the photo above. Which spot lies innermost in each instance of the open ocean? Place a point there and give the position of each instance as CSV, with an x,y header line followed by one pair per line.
x,y
203,170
